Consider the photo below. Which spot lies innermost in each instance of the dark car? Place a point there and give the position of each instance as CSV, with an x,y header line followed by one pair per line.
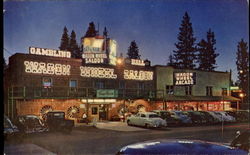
x,y
180,147
209,118
30,124
10,130
55,121
242,140
195,117
166,115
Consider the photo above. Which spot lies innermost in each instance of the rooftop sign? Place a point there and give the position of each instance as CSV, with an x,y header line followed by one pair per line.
x,y
49,52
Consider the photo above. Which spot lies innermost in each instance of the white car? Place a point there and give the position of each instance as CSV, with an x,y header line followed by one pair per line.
x,y
146,119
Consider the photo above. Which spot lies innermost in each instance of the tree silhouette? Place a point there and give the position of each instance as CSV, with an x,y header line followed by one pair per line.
x,y
133,51
73,46
185,54
91,32
207,56
242,62
171,61
64,40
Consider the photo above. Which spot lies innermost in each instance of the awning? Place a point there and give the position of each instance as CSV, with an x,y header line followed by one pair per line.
x,y
200,98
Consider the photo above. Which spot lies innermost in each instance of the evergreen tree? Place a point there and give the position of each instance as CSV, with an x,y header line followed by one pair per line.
x,y
73,46
242,62
91,32
171,61
207,56
64,40
185,56
133,51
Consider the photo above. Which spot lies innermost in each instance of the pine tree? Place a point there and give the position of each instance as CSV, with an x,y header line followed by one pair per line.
x,y
91,32
206,57
242,62
185,54
64,40
171,61
73,46
133,51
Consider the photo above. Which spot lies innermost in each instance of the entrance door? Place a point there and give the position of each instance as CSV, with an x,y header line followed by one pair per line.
x,y
103,112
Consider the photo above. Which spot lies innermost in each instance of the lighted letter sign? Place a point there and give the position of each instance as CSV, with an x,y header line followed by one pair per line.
x,y
94,57
98,72
137,62
138,75
49,52
184,78
46,68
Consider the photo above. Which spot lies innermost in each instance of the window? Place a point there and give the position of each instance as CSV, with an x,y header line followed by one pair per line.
x,y
188,90
94,110
224,92
121,84
209,91
73,83
140,85
99,85
169,89
143,115
47,82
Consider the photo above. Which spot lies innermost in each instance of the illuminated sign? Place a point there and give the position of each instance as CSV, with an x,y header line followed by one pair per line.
x,y
93,44
112,52
98,72
184,78
106,93
137,62
49,52
94,57
46,68
138,75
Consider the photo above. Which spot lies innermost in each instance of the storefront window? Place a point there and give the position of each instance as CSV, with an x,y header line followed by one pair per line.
x,y
169,89
94,110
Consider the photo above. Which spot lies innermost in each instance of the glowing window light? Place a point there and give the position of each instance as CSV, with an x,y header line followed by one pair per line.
x,y
138,75
49,68
98,72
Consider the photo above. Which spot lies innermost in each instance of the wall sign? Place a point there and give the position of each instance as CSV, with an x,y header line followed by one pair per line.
x,y
106,93
138,75
137,62
49,52
98,72
46,68
94,57
184,78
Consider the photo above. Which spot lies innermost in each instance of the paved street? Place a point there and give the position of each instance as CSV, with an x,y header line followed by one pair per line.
x,y
108,138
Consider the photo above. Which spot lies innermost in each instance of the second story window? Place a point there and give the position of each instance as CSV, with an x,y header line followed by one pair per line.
x,y
224,91
169,89
140,85
188,90
209,91
121,85
47,82
73,83
99,85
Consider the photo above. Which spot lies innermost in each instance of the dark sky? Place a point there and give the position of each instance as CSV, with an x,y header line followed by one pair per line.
x,y
153,24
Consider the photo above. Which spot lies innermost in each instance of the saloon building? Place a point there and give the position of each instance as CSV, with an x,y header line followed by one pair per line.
x,y
104,86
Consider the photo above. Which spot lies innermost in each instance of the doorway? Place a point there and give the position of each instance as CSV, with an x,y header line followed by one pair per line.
x,y
103,112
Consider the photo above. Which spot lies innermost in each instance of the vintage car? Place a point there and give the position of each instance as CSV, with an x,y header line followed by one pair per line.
x,y
168,116
209,118
146,119
184,118
30,124
10,130
55,121
180,147
227,118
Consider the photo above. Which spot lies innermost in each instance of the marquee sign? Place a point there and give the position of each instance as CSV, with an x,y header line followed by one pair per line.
x,y
46,68
184,78
98,72
49,52
138,75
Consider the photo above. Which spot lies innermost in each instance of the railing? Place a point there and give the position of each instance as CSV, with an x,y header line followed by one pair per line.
x,y
66,92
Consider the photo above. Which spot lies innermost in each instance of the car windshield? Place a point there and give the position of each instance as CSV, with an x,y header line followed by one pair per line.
x,y
153,116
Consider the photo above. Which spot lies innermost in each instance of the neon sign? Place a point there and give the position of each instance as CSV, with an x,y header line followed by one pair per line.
x,y
98,72
94,57
138,75
137,62
184,78
49,52
46,68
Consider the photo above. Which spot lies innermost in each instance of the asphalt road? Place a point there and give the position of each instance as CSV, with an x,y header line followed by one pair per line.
x,y
90,140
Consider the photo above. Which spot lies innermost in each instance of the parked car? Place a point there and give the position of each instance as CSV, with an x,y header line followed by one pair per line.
x,y
10,130
180,147
30,124
196,117
233,114
168,116
216,116
227,118
242,140
55,121
146,119
209,118
243,115
183,117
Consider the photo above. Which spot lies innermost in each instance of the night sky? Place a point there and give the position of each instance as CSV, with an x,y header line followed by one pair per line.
x,y
153,24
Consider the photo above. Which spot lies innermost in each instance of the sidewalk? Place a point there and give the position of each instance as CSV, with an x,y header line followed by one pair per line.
x,y
116,126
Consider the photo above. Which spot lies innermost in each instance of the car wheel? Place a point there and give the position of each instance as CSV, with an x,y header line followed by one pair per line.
x,y
147,126
128,122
